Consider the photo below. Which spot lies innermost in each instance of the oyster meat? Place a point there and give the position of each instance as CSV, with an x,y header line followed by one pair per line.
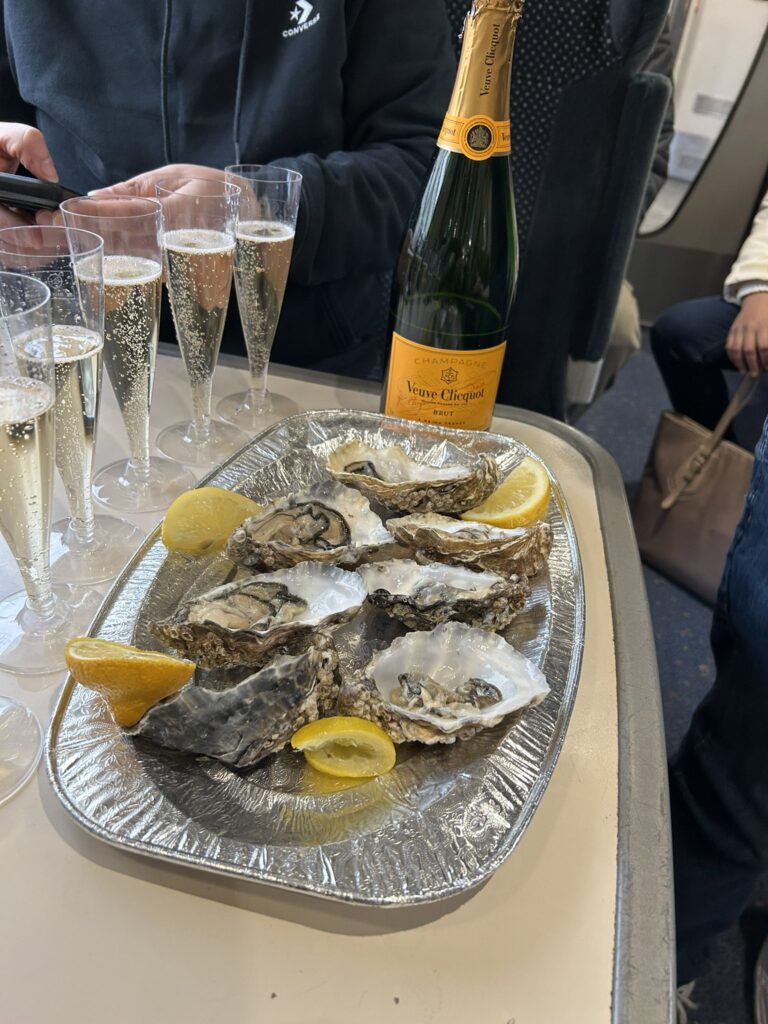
x,y
327,523
523,550
443,685
416,690
392,477
244,622
257,717
422,596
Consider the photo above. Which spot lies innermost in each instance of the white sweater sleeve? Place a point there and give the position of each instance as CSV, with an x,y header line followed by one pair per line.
x,y
751,265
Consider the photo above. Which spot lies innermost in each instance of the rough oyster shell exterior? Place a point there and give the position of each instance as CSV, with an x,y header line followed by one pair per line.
x,y
257,717
451,655
435,538
392,477
246,622
423,596
326,523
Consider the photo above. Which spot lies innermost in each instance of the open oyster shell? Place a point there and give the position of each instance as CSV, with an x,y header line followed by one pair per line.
x,y
244,622
523,550
443,685
327,523
422,596
243,724
392,477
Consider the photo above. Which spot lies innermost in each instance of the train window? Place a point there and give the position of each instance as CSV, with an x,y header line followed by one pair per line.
x,y
718,43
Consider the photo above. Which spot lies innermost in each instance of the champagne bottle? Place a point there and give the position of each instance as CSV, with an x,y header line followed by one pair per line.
x,y
455,279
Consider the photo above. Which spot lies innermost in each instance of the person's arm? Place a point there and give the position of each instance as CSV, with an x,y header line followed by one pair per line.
x,y
355,202
20,142
750,269
747,284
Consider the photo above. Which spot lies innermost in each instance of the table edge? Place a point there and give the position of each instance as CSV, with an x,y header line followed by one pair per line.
x,y
644,979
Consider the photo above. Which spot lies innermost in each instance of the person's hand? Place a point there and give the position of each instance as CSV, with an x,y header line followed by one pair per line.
x,y
747,345
23,144
144,184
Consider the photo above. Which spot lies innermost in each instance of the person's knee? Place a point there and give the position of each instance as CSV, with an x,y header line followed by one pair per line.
x,y
693,332
674,334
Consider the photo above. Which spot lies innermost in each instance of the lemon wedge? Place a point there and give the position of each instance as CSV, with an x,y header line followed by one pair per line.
x,y
200,521
521,499
129,679
347,747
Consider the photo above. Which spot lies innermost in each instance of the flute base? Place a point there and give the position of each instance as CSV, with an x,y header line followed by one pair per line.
x,y
180,443
114,542
118,486
253,413
21,744
30,646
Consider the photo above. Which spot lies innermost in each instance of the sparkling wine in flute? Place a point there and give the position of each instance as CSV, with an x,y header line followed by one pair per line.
x,y
199,277
456,276
262,260
132,290
26,470
77,362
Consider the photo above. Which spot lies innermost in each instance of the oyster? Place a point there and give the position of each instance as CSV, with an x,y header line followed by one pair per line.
x,y
256,717
395,479
242,623
327,523
423,596
443,685
523,550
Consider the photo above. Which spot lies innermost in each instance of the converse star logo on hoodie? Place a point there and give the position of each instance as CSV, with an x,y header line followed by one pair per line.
x,y
301,14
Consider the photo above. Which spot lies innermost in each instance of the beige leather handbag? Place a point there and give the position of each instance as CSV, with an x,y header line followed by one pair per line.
x,y
691,498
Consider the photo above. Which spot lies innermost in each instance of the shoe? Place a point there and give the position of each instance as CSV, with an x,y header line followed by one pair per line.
x,y
685,1002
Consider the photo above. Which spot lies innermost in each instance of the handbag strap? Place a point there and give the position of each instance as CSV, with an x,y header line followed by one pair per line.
x,y
696,463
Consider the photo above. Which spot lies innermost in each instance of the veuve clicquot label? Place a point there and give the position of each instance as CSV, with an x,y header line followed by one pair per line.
x,y
456,277
441,385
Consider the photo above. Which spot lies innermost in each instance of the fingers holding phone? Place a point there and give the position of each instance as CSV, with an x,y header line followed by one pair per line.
x,y
21,144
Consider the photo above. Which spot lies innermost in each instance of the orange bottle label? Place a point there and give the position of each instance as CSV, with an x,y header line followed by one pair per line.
x,y
476,137
442,386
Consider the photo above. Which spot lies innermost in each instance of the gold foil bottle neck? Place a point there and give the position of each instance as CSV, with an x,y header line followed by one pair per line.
x,y
477,121
514,8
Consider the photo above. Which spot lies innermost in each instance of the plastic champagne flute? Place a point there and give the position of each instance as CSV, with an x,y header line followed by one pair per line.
x,y
36,622
131,228
269,207
86,548
21,744
200,220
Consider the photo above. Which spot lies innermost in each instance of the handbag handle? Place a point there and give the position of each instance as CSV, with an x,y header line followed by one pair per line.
x,y
696,463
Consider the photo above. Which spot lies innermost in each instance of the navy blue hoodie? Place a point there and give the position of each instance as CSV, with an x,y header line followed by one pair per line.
x,y
349,92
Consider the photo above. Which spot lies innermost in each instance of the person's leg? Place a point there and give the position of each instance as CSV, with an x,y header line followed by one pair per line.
x,y
719,778
688,343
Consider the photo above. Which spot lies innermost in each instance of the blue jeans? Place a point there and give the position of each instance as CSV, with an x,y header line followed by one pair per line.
x,y
719,778
688,343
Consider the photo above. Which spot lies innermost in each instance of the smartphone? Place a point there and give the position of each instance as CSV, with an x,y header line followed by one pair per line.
x,y
32,193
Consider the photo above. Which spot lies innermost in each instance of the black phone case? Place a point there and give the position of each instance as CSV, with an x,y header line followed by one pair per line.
x,y
32,193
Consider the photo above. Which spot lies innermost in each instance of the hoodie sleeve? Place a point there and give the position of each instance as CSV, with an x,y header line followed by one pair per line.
x,y
397,84
12,106
750,271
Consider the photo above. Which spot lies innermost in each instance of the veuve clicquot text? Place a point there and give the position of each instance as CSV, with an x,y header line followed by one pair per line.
x,y
455,279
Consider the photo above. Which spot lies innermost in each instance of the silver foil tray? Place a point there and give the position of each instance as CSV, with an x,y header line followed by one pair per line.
x,y
441,822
